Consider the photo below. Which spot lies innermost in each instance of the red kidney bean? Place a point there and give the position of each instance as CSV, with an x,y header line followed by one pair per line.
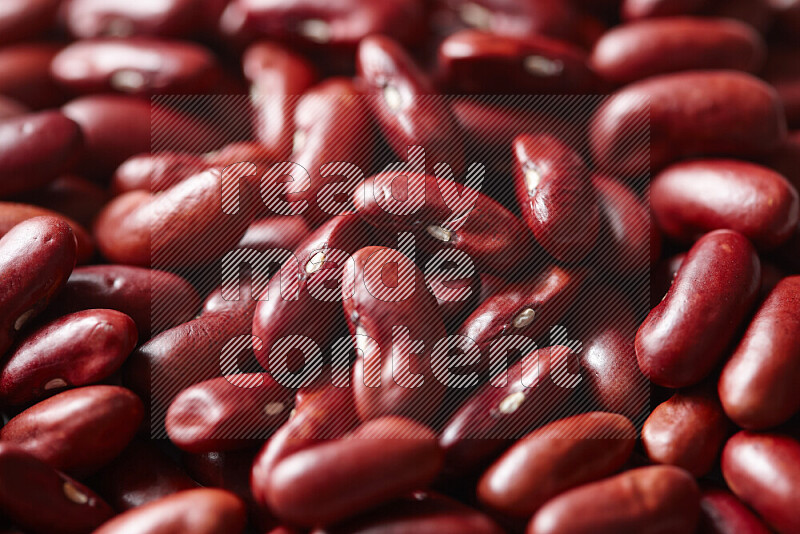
x,y
155,300
70,195
756,386
645,500
277,76
381,460
684,337
11,108
690,114
199,511
511,404
692,198
402,103
155,172
140,475
384,292
687,431
641,9
80,430
479,62
334,26
36,258
554,458
25,74
12,214
782,71
166,230
555,196
248,151
457,298
116,127
25,19
245,305
43,500
646,48
418,513
762,470
228,412
722,513
76,350
36,148
138,66
272,233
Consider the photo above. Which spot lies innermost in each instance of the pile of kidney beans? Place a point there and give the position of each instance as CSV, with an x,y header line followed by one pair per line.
x,y
686,172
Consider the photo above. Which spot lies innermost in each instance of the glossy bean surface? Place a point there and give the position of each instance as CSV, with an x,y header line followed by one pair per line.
x,y
13,213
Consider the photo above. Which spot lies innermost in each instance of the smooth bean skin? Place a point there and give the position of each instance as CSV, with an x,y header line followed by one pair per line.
x,y
23,19
128,66
722,513
657,499
43,500
13,213
71,196
641,9
80,430
687,431
195,511
381,460
763,470
34,149
757,384
76,350
228,412
280,232
11,108
692,198
556,197
554,458
683,338
25,75
155,300
155,172
36,258
647,48
689,115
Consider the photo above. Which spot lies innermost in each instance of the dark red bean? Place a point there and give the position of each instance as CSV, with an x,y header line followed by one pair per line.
x,y
690,114
763,470
646,48
70,195
722,513
382,460
11,108
274,233
485,63
555,196
36,258
76,350
684,337
24,19
155,172
457,295
138,66
43,500
554,458
690,199
80,430
757,384
12,214
25,75
647,500
199,511
641,9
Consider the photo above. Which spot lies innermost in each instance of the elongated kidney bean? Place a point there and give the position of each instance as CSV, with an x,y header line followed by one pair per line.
x,y
692,198
155,300
36,148
645,500
140,66
11,108
278,76
140,475
155,172
43,500
782,71
200,511
689,115
387,304
479,62
659,46
76,350
281,232
510,405
12,214
554,458
80,430
687,431
24,19
36,258
25,75
227,412
684,337
186,225
69,195
419,513
388,457
555,196
756,386
722,513
762,470
640,9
